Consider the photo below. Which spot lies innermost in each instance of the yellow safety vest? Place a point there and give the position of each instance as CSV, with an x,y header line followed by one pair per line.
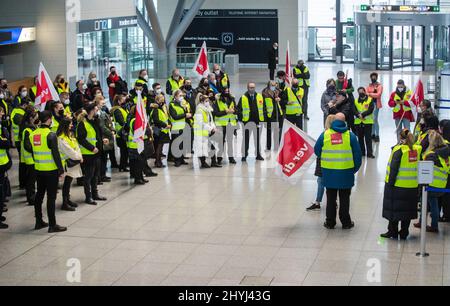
x,y
6,107
407,174
55,125
337,153
422,136
117,125
440,173
25,156
67,111
224,81
296,108
175,85
72,142
406,98
178,125
163,117
246,108
144,99
4,158
43,157
198,130
270,107
228,118
301,81
91,137
131,144
363,107
34,90
16,128
63,88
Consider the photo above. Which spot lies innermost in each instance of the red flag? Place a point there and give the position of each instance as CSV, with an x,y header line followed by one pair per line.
x,y
45,91
419,94
289,72
201,67
296,149
140,123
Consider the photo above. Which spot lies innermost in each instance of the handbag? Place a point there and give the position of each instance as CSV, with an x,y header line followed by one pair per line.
x,y
72,163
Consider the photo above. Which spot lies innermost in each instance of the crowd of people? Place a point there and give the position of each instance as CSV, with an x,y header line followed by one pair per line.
x,y
76,136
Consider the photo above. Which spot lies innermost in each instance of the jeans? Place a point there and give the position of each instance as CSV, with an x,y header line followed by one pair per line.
x,y
91,171
344,206
320,190
435,212
365,138
376,124
404,124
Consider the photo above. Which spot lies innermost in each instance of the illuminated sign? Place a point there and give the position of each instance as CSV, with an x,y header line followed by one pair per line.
x,y
107,24
400,8
12,36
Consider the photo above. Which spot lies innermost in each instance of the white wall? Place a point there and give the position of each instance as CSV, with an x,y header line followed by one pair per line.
x,y
95,9
292,16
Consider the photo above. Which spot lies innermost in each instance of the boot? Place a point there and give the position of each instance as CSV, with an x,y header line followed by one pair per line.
x,y
232,161
204,164
57,229
214,163
219,161
40,225
65,206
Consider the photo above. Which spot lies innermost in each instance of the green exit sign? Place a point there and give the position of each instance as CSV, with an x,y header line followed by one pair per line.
x,y
365,8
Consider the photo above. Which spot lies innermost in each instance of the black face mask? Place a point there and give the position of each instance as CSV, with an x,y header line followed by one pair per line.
x,y
61,113
362,96
374,81
188,87
62,81
36,122
5,86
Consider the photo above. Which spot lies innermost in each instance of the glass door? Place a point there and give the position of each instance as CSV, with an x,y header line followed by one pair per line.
x,y
418,46
384,48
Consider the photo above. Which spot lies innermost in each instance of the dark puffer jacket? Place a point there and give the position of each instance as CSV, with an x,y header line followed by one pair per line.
x,y
399,204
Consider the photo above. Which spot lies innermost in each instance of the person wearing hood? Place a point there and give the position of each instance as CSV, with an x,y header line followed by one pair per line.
x,y
204,127
49,169
425,109
437,152
400,104
444,202
340,155
90,139
364,119
401,188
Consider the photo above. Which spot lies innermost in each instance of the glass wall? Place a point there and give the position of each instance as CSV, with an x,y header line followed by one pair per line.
x,y
127,49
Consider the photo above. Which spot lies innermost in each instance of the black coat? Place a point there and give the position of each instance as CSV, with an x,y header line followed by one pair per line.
x,y
273,59
399,204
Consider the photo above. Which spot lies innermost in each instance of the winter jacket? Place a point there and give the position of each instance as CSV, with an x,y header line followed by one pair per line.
x,y
340,179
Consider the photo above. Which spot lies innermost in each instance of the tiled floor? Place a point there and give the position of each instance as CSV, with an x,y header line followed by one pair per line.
x,y
238,225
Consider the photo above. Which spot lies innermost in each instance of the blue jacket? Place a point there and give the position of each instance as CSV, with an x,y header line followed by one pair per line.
x,y
340,179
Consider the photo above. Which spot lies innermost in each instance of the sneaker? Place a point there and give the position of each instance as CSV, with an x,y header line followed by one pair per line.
x,y
314,206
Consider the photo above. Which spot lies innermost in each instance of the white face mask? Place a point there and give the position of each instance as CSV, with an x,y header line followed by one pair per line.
x,y
2,96
273,88
94,80
217,72
66,102
24,94
159,91
145,77
207,104
84,87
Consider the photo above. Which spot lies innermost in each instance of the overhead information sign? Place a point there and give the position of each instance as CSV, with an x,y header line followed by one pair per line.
x,y
401,8
12,36
106,24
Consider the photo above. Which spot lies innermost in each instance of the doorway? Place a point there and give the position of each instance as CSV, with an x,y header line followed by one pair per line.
x,y
400,47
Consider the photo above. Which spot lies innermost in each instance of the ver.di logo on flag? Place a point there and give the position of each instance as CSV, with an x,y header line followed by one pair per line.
x,y
295,153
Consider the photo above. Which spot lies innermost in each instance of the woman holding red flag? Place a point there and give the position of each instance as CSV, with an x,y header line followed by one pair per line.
x,y
401,105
